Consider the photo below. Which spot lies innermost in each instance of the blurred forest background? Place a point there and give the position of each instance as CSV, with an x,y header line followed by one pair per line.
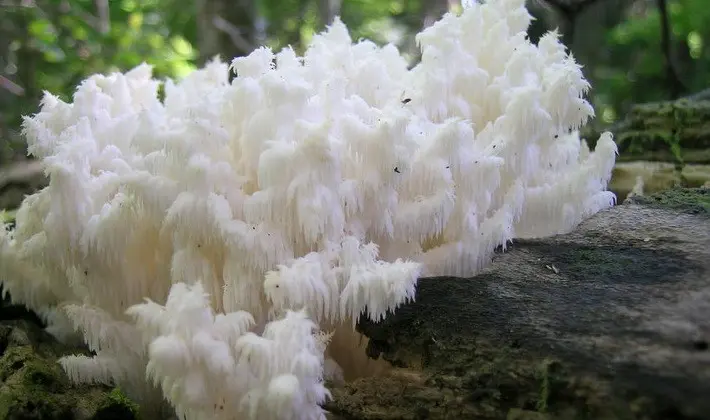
x,y
633,50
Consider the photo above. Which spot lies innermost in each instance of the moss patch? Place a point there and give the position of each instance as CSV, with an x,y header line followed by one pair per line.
x,y
613,264
674,131
688,200
7,216
31,387
484,380
116,406
34,386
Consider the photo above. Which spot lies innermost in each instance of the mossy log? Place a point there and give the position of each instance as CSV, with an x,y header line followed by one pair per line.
x,y
656,177
611,321
34,386
674,131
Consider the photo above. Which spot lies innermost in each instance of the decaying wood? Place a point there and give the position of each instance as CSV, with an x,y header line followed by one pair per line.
x,y
610,321
672,131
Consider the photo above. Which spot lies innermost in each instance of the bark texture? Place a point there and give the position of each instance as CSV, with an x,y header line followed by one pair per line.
x,y
611,321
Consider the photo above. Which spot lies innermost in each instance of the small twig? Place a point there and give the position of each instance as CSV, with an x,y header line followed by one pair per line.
x,y
11,86
234,34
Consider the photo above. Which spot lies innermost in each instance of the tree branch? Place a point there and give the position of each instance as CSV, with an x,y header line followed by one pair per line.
x,y
328,10
234,34
11,86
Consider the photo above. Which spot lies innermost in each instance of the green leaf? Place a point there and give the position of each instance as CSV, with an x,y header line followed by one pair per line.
x,y
43,30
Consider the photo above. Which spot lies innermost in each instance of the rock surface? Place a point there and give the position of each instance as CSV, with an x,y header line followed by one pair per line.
x,y
611,321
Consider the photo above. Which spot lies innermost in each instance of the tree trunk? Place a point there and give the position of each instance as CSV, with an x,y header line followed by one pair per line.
x,y
226,28
328,10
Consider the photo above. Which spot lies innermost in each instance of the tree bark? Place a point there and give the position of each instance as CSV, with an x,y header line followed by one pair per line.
x,y
328,10
225,28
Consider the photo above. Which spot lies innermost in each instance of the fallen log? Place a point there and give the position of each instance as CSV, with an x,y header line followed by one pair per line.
x,y
611,321
672,131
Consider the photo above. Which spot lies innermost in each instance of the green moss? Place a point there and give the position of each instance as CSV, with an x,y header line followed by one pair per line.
x,y
544,378
639,141
689,200
30,385
25,405
677,131
486,381
506,380
116,405
34,386
7,216
33,372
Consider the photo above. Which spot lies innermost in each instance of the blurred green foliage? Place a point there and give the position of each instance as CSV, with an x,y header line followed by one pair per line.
x,y
294,23
632,70
53,44
70,47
